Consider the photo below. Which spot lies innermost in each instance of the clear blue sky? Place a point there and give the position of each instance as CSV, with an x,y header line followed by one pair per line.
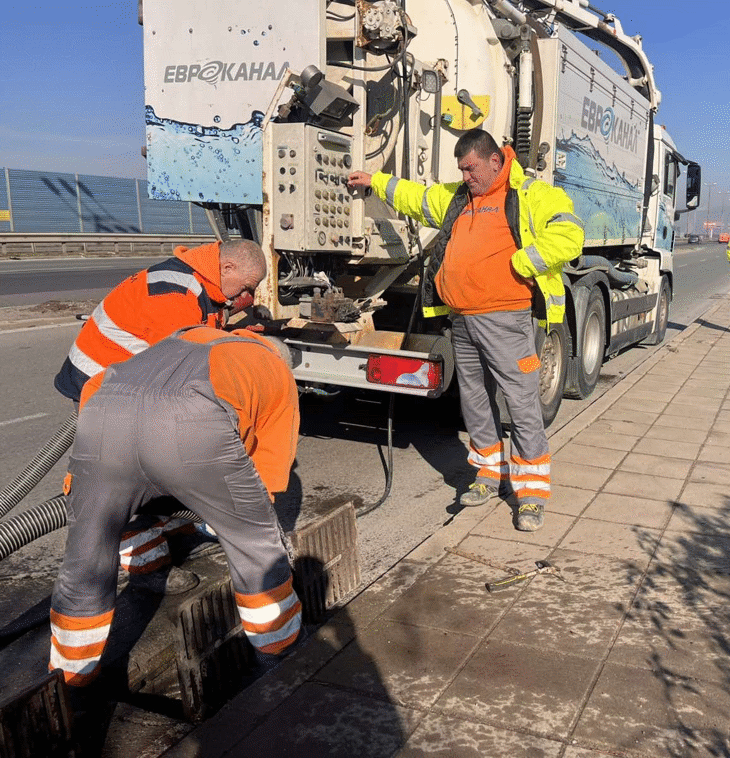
x,y
72,96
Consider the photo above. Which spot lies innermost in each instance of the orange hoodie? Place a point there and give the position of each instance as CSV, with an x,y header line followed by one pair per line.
x,y
476,275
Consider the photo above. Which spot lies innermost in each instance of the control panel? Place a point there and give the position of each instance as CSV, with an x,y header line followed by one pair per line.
x,y
310,203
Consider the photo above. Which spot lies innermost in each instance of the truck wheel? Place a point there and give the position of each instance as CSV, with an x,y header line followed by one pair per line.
x,y
662,319
552,349
593,345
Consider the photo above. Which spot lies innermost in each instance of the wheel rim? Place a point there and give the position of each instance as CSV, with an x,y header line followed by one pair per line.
x,y
550,366
592,344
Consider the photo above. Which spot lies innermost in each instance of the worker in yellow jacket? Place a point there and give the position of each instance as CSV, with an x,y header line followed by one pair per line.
x,y
502,234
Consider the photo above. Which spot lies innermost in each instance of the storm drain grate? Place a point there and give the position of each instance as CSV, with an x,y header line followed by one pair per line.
x,y
213,654
326,568
37,722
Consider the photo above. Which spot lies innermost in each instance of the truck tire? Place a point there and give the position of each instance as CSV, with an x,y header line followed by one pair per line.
x,y
553,351
587,364
660,327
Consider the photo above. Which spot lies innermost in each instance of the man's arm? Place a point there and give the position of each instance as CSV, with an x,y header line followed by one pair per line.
x,y
558,236
427,205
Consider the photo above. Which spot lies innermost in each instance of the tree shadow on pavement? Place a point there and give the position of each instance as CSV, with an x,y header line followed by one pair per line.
x,y
679,628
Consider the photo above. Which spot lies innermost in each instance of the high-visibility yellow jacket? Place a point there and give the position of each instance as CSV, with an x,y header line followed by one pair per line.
x,y
728,253
541,217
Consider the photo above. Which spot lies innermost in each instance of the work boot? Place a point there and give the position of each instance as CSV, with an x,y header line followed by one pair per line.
x,y
530,517
478,494
173,581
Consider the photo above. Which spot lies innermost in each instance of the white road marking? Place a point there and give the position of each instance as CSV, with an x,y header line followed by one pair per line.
x,y
22,418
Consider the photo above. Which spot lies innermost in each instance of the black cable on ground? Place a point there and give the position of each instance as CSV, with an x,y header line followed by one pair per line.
x,y
389,475
44,461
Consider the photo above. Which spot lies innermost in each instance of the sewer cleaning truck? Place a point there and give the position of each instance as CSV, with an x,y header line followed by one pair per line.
x,y
259,111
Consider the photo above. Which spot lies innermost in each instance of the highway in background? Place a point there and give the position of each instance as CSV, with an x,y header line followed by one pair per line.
x,y
34,281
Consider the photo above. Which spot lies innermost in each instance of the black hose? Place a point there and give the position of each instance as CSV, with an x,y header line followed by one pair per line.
x,y
32,524
599,263
43,519
389,470
44,461
391,403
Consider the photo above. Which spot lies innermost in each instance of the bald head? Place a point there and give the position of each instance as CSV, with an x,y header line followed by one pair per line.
x,y
243,266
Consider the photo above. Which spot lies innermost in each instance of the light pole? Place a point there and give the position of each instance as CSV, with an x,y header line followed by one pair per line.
x,y
709,199
722,210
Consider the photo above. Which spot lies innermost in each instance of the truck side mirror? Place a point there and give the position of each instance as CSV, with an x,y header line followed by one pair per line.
x,y
694,185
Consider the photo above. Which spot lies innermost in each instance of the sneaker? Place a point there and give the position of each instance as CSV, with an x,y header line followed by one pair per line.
x,y
174,581
530,517
478,494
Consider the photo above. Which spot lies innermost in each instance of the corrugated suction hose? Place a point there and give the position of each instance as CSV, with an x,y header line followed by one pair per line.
x,y
43,519
44,461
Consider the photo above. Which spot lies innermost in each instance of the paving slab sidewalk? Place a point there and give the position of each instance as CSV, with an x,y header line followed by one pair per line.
x,y
628,657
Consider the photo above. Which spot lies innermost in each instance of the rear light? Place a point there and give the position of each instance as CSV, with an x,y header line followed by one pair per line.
x,y
404,372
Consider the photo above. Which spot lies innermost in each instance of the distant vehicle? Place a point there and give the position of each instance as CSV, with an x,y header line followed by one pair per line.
x,y
693,238
724,238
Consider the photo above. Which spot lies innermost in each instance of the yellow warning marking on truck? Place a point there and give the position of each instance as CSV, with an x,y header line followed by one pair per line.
x,y
456,115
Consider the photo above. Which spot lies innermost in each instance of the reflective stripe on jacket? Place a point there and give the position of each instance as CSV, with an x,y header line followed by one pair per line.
x,y
546,230
144,309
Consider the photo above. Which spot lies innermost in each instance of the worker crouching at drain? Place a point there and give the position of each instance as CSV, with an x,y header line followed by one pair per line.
x,y
206,418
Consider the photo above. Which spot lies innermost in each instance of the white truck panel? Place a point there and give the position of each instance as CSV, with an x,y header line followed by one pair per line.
x,y
598,129
210,71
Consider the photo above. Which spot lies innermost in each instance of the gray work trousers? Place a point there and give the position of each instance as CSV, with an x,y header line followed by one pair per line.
x,y
490,351
140,445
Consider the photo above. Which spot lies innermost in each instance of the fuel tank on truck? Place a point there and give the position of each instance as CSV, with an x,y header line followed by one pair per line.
x,y
210,71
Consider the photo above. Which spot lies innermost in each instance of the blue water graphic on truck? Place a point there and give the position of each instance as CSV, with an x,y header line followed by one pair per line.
x,y
608,203
204,163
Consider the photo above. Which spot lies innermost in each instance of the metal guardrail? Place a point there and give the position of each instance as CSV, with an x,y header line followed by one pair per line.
x,y
20,245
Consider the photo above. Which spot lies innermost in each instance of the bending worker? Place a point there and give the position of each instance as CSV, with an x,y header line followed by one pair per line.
x,y
209,419
501,233
195,286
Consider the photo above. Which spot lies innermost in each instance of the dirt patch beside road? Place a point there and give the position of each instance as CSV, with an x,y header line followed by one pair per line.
x,y
50,312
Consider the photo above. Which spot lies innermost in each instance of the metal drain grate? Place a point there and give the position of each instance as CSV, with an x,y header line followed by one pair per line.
x,y
37,722
213,654
327,567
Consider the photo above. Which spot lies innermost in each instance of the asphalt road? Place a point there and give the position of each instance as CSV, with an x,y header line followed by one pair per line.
x,y
29,282
342,446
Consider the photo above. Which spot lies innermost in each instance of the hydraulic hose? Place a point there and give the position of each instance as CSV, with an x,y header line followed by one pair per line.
x,y
599,263
44,461
369,508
